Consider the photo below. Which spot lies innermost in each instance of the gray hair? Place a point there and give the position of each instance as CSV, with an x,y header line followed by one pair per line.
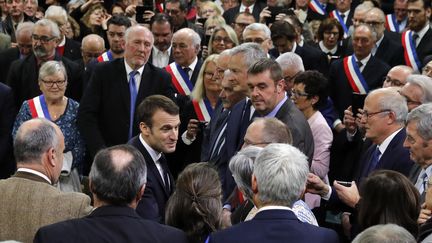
x,y
379,12
389,99
55,32
24,27
117,174
251,52
56,12
275,131
422,115
5,41
424,83
290,60
362,8
241,166
196,39
51,68
32,140
280,171
135,28
373,33
385,233
259,27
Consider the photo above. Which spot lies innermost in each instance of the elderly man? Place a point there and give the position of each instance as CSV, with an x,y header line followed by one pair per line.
x,y
417,41
92,46
240,22
397,21
29,199
107,111
343,13
159,122
417,90
23,74
278,180
15,16
358,73
397,76
162,30
260,34
117,181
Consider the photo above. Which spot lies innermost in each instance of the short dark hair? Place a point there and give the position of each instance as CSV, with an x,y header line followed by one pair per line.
x,y
119,20
426,3
183,4
243,13
161,18
118,184
327,25
153,103
265,64
315,85
281,29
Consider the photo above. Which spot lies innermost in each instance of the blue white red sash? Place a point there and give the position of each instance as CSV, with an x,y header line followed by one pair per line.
x,y
410,53
179,79
317,7
355,78
105,57
39,108
335,14
391,23
160,7
203,109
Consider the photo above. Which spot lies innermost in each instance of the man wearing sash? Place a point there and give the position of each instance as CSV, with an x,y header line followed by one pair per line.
x,y
117,26
358,73
417,40
186,66
343,14
397,21
319,10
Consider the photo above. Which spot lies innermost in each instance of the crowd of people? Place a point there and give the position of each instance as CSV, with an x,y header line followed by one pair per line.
x,y
216,121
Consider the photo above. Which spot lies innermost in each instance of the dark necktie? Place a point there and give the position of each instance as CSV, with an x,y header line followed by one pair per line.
x,y
246,117
415,37
360,64
133,95
165,172
186,70
343,17
374,159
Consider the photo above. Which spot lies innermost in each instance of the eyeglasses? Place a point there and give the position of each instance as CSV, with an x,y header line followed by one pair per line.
x,y
255,40
219,39
91,54
241,25
297,93
290,78
250,143
209,74
50,84
368,115
331,33
373,23
393,82
42,39
172,11
426,70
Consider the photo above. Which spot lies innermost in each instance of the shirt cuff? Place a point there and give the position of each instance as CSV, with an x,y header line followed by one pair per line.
x,y
336,123
327,196
186,140
350,136
227,207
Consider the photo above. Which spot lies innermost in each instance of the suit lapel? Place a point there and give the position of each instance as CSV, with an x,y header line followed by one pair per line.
x,y
121,84
196,71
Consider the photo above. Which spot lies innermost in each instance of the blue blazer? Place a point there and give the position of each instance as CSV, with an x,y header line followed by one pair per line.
x,y
274,226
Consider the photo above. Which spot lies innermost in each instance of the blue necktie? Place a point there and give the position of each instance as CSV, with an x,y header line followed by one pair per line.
x,y
133,95
374,159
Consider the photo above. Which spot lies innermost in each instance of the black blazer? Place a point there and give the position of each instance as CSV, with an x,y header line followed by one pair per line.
x,y
153,202
340,89
424,48
23,79
6,58
110,224
72,50
231,13
7,118
311,15
313,59
103,116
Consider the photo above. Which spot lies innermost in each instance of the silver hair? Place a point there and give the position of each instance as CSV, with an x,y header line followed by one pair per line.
x,y
251,52
196,39
389,99
280,171
292,61
24,27
241,166
51,68
362,8
424,83
32,141
91,38
134,28
374,34
385,233
380,13
5,41
55,32
258,27
56,12
422,116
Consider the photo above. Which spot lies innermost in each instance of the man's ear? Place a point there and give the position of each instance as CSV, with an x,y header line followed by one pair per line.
x,y
254,184
140,193
145,130
51,156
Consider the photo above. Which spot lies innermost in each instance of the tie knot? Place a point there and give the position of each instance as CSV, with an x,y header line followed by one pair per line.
x,y
360,64
133,73
342,16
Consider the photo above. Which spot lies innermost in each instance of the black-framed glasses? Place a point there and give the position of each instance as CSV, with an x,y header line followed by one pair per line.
x,y
50,84
254,40
394,82
42,39
297,93
290,78
368,115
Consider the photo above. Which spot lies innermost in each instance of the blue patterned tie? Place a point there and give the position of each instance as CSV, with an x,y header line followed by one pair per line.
x,y
133,95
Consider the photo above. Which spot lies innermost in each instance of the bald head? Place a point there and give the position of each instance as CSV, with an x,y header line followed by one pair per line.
x,y
92,46
397,76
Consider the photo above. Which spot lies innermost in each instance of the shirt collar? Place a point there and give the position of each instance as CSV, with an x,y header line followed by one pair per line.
x,y
157,51
243,8
193,64
271,207
383,146
129,69
153,153
365,60
63,42
325,50
34,172
277,108
294,47
422,32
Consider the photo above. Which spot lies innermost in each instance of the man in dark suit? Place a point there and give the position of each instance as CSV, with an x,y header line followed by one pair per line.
x,y
177,10
105,117
117,181
159,122
419,12
371,70
23,74
15,16
344,13
250,6
162,30
8,111
278,185
23,35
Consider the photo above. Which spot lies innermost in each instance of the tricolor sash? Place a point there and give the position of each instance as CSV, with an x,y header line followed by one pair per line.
x,y
105,57
335,14
355,77
391,23
179,79
317,7
39,108
203,109
160,7
410,53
